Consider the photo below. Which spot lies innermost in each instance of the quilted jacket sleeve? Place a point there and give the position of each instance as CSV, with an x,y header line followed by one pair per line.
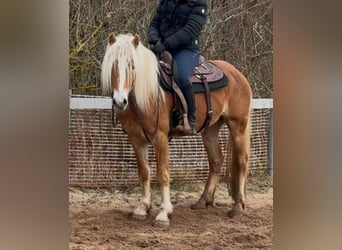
x,y
153,29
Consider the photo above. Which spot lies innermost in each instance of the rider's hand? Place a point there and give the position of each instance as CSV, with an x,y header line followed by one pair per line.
x,y
159,48
153,39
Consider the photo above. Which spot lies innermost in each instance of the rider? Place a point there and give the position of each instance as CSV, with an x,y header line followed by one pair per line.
x,y
177,25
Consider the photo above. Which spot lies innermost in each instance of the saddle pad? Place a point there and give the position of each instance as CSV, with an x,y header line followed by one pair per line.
x,y
197,87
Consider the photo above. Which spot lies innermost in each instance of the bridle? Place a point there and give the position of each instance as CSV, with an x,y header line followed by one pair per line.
x,y
139,114
114,120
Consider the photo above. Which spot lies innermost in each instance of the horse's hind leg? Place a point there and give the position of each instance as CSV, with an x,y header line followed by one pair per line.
x,y
211,144
141,153
239,129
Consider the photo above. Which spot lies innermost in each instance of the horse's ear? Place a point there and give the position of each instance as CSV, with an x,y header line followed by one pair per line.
x,y
136,40
111,38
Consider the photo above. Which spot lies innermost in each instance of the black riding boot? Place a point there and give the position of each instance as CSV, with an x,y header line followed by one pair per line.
x,y
190,101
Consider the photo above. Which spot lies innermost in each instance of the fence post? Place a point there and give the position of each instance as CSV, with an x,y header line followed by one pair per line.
x,y
69,99
270,143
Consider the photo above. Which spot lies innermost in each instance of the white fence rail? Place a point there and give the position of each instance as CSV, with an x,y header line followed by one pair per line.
x,y
86,102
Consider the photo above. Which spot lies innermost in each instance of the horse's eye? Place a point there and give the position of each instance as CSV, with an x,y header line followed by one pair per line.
x,y
133,67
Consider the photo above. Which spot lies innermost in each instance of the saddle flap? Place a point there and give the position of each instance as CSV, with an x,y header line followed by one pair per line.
x,y
165,62
166,57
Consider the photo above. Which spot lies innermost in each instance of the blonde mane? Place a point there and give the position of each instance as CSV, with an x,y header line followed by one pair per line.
x,y
146,85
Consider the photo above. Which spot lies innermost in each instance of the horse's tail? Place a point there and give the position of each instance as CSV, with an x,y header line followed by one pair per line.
x,y
248,142
229,163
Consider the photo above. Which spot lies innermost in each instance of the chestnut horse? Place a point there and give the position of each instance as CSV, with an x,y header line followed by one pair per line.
x,y
130,74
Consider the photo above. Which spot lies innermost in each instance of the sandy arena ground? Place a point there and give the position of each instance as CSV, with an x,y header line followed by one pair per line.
x,y
101,219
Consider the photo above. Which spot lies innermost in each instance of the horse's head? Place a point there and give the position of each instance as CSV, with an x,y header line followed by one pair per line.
x,y
118,68
129,66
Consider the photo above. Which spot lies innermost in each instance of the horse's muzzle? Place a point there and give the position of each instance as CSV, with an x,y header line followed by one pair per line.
x,y
122,105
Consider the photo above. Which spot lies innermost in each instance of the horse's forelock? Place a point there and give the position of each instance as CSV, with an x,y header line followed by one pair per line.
x,y
122,53
146,68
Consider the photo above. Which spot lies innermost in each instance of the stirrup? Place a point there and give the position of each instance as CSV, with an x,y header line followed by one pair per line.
x,y
179,129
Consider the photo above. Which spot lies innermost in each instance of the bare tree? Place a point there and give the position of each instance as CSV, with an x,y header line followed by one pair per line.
x,y
238,31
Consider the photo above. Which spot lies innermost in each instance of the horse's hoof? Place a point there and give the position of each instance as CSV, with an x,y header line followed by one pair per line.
x,y
236,212
161,223
141,212
198,206
139,216
201,204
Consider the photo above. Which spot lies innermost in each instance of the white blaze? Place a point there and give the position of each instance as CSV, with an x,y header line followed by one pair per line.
x,y
121,93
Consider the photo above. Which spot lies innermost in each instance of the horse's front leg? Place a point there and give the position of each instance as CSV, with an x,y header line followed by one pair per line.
x,y
141,153
161,147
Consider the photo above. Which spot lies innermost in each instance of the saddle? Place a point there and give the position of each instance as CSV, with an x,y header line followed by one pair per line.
x,y
206,78
213,75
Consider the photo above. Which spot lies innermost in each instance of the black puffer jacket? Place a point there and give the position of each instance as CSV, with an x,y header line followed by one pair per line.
x,y
178,23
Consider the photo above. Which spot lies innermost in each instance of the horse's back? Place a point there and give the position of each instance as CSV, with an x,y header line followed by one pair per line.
x,y
236,79
238,90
